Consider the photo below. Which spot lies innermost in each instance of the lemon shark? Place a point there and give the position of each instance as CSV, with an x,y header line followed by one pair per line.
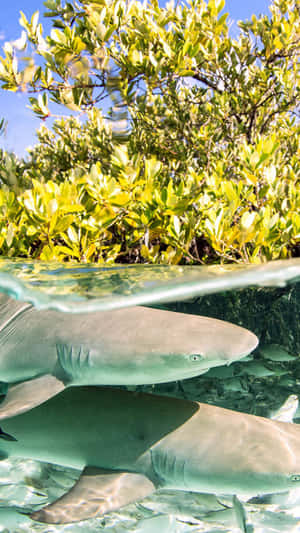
x,y
130,444
45,351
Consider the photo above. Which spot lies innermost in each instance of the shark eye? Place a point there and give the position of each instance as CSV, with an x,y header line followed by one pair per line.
x,y
195,357
295,477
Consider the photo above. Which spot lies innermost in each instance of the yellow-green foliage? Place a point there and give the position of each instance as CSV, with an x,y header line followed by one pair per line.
x,y
138,214
203,164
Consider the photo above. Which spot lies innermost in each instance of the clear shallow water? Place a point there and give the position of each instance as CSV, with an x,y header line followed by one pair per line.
x,y
77,288
265,300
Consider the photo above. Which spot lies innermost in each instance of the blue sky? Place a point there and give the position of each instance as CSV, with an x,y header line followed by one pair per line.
x,y
21,121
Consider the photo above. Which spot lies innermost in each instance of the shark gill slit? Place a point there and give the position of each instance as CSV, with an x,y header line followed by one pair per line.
x,y
71,362
168,467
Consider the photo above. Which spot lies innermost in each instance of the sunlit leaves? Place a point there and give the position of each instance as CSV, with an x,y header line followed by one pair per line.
x,y
200,144
98,215
40,105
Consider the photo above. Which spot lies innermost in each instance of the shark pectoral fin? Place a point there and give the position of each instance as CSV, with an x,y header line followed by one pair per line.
x,y
97,492
29,394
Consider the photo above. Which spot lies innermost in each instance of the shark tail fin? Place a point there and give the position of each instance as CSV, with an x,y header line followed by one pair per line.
x,y
29,394
98,491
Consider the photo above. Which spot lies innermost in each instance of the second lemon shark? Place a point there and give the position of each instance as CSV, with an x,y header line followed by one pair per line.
x,y
130,444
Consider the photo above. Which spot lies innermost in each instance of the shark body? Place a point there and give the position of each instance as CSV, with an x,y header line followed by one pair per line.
x,y
130,444
49,350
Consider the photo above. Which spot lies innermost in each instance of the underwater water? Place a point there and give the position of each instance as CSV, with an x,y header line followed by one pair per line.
x,y
265,299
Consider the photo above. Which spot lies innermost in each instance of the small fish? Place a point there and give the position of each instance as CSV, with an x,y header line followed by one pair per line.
x,y
157,524
255,368
46,351
287,411
276,353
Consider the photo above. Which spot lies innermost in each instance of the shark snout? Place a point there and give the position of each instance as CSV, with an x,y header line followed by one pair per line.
x,y
244,346
234,344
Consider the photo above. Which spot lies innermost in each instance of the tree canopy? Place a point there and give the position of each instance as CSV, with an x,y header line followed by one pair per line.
x,y
184,140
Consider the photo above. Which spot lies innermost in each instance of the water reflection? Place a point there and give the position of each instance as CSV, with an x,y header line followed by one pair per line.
x,y
76,288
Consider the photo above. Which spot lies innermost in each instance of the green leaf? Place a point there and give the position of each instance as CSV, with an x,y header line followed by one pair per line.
x,y
176,223
10,234
72,234
247,220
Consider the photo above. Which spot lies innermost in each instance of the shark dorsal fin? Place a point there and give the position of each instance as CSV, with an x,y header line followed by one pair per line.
x,y
98,491
29,394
